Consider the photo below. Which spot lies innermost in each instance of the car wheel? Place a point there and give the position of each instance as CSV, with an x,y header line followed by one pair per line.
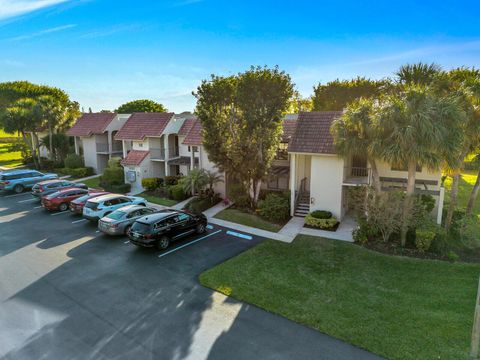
x,y
163,243
127,229
18,188
200,228
63,207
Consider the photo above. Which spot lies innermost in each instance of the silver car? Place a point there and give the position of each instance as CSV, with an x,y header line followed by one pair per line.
x,y
119,221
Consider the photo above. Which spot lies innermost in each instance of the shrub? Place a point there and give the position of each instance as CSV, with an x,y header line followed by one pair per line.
x,y
324,224
151,183
73,161
424,239
239,195
177,192
172,180
78,172
275,208
114,162
200,204
117,188
452,256
162,191
427,202
321,214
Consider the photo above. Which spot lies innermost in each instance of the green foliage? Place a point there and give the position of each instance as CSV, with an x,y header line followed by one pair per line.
x,y
337,94
114,162
119,188
79,172
19,145
150,184
113,178
241,116
324,224
60,145
200,204
418,74
172,180
297,103
274,208
177,192
74,161
238,194
424,239
142,106
321,214
195,180
452,256
427,202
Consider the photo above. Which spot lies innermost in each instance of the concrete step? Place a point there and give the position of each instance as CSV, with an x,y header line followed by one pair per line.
x,y
301,214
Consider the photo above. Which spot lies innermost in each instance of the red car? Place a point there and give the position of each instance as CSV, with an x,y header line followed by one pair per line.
x,y
61,199
76,206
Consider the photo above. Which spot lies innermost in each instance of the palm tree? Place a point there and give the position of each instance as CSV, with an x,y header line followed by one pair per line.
x,y
212,178
195,180
419,128
355,133
418,74
52,112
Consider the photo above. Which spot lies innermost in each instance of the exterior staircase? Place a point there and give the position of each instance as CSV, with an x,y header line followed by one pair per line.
x,y
302,207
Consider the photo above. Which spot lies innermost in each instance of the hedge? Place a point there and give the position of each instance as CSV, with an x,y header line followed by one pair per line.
x,y
324,224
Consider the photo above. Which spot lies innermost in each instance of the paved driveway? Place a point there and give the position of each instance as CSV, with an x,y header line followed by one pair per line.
x,y
69,292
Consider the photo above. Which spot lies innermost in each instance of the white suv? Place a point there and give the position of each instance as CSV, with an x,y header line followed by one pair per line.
x,y
101,206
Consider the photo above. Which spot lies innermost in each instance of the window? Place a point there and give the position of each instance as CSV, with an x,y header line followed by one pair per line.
x,y
123,200
404,168
183,217
159,225
36,174
145,211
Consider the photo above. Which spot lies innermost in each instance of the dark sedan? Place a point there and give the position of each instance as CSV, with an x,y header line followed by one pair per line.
x,y
45,188
160,229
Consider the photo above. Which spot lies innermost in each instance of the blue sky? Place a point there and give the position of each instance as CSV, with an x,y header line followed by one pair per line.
x,y
106,52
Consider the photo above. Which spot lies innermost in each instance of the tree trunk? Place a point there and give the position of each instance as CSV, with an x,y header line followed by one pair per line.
x,y
377,185
407,204
30,146
473,197
50,136
256,184
37,148
453,200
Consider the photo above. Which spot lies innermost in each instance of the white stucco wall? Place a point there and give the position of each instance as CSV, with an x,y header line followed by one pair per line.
x,y
326,184
90,152
140,145
206,164
144,170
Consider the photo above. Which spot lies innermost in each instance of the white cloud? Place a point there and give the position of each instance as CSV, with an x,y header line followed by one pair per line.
x,y
12,8
43,32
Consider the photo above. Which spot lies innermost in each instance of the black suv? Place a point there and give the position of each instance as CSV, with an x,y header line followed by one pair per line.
x,y
168,225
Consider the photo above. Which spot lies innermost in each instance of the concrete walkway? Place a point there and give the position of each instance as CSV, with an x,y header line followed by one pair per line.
x,y
293,227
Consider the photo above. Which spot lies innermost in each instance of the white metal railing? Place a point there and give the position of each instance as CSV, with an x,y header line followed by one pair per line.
x,y
102,147
157,154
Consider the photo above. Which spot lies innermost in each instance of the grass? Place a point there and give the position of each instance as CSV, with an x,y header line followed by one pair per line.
x,y
93,183
8,158
158,200
397,307
248,219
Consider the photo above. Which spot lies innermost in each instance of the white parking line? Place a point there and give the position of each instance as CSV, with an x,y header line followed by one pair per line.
x,y
28,200
97,231
78,221
9,196
126,242
190,243
59,213
38,207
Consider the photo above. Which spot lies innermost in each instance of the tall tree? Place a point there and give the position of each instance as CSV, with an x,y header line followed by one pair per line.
x,y
355,132
20,117
142,106
298,103
241,117
50,111
337,94
419,128
418,74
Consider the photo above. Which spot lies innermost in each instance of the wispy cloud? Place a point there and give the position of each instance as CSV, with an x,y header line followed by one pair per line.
x,y
12,8
12,63
43,32
112,30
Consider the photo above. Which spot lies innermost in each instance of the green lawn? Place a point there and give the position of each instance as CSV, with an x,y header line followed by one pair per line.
x,y
8,158
158,200
93,183
244,218
397,307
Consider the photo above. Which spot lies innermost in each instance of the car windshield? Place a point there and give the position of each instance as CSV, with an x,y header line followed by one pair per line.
x,y
116,215
91,205
140,227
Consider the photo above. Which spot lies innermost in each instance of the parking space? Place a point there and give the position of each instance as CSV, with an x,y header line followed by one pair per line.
x,y
69,292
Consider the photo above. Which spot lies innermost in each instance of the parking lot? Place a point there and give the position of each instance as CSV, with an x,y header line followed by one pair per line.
x,y
70,292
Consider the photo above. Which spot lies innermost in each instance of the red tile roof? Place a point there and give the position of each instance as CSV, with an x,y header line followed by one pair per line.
x,y
194,136
288,129
186,126
312,133
140,125
134,157
91,123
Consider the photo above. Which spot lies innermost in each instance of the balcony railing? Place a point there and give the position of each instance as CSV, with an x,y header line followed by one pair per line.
x,y
157,154
357,175
117,146
173,153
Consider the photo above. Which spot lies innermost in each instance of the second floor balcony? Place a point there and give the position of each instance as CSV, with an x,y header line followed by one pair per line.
x,y
161,154
357,175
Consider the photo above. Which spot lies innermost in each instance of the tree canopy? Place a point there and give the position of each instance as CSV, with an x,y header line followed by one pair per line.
x,y
142,106
337,94
241,117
